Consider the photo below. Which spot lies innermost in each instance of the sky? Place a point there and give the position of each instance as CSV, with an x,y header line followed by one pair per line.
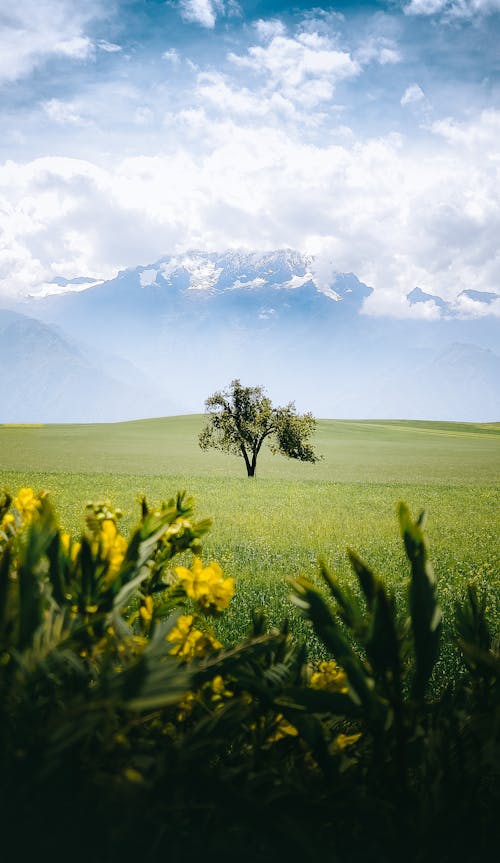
x,y
367,134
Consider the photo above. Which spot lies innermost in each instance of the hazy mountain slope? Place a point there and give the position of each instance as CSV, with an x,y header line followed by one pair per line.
x,y
193,322
47,378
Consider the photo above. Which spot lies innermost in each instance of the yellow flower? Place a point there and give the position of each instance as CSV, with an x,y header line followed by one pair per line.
x,y
329,676
26,503
113,546
25,506
189,642
7,520
146,609
206,585
219,691
284,728
70,547
186,706
345,740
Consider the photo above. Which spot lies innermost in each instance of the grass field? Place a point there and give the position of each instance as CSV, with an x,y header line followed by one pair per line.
x,y
278,524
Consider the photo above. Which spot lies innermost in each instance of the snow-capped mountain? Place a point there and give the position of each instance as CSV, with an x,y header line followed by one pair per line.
x,y
192,322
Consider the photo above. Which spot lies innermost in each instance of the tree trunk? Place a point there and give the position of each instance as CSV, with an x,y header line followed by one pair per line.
x,y
253,466
250,465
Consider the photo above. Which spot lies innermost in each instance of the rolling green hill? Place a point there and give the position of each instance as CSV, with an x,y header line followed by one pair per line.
x,y
353,451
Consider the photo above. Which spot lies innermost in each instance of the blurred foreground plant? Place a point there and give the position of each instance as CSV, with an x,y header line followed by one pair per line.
x,y
124,721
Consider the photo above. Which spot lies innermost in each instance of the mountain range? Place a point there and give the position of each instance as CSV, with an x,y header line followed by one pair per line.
x,y
159,338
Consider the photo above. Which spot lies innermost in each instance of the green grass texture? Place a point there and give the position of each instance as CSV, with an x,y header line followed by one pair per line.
x,y
277,525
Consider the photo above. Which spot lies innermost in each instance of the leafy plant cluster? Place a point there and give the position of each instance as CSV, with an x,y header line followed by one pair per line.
x,y
129,732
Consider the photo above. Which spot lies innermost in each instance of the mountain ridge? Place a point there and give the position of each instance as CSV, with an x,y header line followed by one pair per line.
x,y
190,323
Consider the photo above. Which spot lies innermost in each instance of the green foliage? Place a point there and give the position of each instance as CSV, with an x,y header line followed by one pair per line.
x,y
126,723
241,418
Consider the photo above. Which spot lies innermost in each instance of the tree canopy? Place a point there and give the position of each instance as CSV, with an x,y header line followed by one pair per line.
x,y
240,419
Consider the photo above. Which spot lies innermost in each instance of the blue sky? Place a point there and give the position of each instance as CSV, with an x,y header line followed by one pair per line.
x,y
365,133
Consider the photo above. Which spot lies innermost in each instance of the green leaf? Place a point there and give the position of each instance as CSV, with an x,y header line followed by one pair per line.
x,y
330,633
311,730
227,661
350,611
56,573
39,536
470,619
5,562
426,618
319,701
367,580
383,643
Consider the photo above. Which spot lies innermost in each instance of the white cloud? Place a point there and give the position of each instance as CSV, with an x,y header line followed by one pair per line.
x,y
479,133
304,69
396,215
453,9
412,94
425,7
378,49
269,28
201,12
172,56
216,91
469,308
206,12
108,47
63,112
35,30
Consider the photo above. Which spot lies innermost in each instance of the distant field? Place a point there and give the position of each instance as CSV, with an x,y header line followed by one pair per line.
x,y
277,525
354,451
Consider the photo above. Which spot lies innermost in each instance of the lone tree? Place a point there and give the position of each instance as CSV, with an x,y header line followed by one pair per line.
x,y
241,418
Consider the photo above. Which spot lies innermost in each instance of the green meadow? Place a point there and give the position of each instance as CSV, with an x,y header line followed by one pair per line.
x,y
278,524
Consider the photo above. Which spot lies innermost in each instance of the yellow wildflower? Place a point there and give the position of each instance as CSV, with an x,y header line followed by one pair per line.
x,y
186,706
113,546
219,691
206,585
26,504
8,520
329,676
284,728
70,547
146,609
189,642
345,740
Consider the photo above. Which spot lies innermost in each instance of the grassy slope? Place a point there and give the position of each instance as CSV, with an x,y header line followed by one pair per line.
x,y
267,529
375,451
